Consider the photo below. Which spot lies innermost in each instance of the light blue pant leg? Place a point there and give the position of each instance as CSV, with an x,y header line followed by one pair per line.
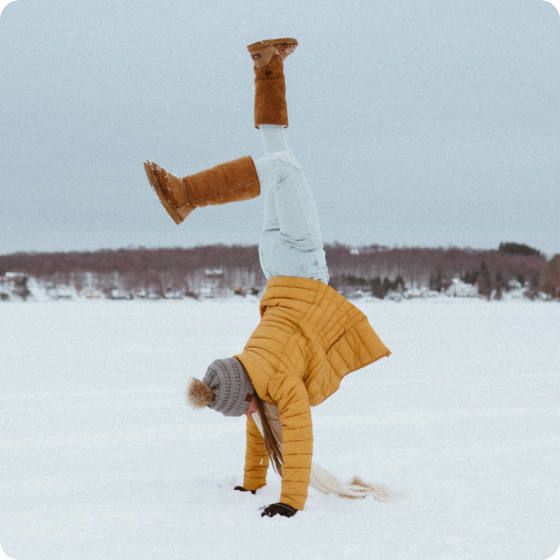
x,y
291,242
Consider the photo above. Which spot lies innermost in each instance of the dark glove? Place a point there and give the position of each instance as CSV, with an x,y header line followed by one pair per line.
x,y
280,509
241,489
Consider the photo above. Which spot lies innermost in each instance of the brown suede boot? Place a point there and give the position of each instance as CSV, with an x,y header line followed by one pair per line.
x,y
270,86
228,182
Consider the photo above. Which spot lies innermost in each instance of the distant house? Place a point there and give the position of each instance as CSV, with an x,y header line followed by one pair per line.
x,y
58,292
14,284
213,272
459,288
14,276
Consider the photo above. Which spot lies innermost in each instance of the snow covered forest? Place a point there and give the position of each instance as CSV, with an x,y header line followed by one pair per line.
x,y
513,270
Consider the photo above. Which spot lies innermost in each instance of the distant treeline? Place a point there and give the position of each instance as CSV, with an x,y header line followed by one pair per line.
x,y
375,269
435,268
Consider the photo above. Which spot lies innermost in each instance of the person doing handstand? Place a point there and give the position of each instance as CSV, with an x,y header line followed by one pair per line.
x,y
309,336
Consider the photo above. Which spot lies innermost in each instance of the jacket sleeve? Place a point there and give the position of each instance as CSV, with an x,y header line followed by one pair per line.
x,y
297,438
256,458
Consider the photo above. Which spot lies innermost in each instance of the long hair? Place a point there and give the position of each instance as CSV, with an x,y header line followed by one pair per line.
x,y
270,441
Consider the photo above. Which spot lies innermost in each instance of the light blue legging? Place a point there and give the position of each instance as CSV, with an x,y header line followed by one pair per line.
x,y
291,243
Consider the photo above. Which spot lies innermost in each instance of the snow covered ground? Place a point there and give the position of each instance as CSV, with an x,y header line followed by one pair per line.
x,y
102,459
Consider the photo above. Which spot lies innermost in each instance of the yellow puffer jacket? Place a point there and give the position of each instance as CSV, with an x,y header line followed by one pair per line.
x,y
308,339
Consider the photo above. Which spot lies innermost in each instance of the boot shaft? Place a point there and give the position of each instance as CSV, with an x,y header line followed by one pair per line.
x,y
232,181
270,85
271,106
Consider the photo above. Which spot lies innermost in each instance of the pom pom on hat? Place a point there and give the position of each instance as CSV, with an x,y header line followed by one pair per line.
x,y
226,388
199,394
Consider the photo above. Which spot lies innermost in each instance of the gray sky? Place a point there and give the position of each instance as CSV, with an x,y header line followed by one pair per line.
x,y
418,122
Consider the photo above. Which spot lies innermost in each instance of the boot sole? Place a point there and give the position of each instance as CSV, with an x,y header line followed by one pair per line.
x,y
261,44
185,211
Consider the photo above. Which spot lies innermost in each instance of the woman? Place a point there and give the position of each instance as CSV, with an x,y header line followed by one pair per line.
x,y
309,336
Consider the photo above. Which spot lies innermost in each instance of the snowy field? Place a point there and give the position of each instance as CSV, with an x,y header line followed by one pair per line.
x,y
102,459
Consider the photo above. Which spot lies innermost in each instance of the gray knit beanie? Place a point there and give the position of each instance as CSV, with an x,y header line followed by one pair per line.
x,y
226,388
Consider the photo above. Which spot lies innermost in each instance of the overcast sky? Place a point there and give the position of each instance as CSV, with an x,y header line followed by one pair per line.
x,y
418,122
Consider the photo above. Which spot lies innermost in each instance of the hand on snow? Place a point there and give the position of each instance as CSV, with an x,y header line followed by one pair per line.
x,y
280,509
241,489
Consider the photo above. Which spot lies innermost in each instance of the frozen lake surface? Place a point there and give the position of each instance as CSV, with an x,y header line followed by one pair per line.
x,y
102,458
